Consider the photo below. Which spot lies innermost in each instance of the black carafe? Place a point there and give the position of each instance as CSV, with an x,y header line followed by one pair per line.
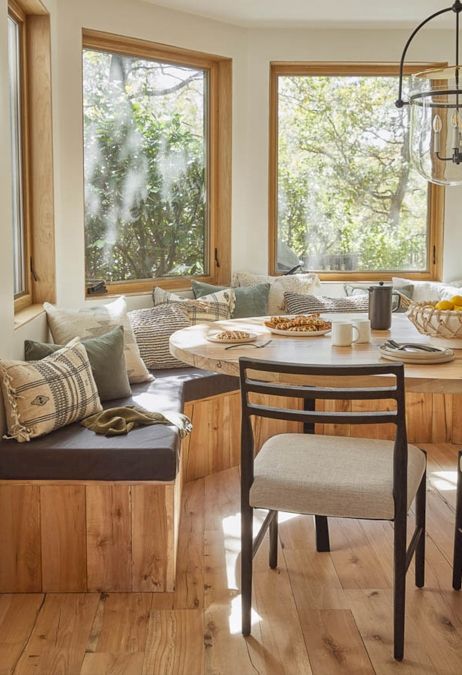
x,y
380,306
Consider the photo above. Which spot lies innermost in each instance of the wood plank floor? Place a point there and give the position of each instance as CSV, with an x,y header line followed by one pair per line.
x,y
318,613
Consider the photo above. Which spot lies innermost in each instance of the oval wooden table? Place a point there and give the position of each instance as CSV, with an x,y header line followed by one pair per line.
x,y
191,346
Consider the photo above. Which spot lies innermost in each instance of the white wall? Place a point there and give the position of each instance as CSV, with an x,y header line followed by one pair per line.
x,y
251,51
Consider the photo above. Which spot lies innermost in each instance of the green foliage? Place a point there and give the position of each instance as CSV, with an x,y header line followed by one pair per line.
x,y
347,193
145,198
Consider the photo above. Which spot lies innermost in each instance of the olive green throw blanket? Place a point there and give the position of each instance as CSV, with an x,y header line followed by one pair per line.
x,y
119,421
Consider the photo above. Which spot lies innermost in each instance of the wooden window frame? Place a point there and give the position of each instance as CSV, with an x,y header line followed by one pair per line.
x,y
436,193
219,158
36,154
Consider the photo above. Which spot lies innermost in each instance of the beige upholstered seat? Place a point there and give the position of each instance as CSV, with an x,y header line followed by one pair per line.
x,y
330,476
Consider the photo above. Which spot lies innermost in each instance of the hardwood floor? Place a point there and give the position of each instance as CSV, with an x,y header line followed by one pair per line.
x,y
319,613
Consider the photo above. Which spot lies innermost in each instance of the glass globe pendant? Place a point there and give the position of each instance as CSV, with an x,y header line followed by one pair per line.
x,y
435,114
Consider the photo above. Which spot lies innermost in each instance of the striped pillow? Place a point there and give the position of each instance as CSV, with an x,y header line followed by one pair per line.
x,y
152,328
307,304
41,396
212,307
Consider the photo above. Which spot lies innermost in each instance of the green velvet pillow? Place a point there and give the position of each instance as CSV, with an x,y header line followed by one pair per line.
x,y
107,360
250,300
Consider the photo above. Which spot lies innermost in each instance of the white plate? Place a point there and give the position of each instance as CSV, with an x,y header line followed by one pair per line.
x,y
418,354
299,333
410,357
212,337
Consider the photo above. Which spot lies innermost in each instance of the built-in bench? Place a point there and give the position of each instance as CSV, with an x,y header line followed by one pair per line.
x,y
82,512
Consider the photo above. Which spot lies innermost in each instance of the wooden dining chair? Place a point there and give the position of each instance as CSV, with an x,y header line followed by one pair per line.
x,y
457,561
336,476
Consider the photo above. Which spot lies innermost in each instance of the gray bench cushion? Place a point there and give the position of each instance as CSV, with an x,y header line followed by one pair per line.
x,y
148,453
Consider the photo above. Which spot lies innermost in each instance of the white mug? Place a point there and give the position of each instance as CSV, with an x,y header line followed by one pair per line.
x,y
342,334
363,326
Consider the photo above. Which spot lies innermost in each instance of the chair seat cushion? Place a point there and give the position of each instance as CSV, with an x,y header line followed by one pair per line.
x,y
331,476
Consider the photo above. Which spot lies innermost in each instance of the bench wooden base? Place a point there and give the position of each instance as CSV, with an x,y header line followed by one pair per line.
x,y
86,536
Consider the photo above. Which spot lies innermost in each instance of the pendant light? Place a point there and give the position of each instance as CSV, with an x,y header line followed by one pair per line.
x,y
435,112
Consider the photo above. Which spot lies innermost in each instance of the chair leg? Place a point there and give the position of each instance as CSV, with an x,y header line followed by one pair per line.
x,y
273,543
399,585
420,508
457,561
322,534
246,567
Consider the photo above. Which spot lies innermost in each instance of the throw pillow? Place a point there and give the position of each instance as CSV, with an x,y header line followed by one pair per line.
x,y
213,307
295,283
42,396
427,290
107,360
400,304
66,324
250,301
307,304
152,328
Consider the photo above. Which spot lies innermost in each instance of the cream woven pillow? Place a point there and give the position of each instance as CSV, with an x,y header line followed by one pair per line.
x,y
66,324
305,284
213,307
41,396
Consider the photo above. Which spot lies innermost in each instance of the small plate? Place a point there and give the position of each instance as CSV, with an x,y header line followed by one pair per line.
x,y
299,333
423,358
212,337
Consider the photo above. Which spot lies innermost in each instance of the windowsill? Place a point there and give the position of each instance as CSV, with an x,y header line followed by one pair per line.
x,y
27,314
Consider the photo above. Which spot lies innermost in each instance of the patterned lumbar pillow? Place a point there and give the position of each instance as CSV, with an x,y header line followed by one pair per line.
x,y
107,360
41,396
213,307
295,283
306,304
250,300
66,324
152,328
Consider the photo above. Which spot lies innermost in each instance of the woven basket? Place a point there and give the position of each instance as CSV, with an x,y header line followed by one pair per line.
x,y
437,323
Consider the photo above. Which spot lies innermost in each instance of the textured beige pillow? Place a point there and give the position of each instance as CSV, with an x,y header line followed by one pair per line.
x,y
41,396
213,307
304,284
66,324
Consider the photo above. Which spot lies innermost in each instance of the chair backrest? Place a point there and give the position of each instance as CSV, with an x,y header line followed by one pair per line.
x,y
270,378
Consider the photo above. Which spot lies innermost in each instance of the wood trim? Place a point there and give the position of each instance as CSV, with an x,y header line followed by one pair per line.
x,y
219,133
37,154
436,193
41,160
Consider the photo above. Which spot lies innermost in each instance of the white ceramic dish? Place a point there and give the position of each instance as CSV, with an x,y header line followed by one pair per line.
x,y
212,337
419,354
299,333
422,358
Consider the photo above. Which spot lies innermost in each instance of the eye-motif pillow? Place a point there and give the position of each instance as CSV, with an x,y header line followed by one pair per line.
x,y
41,396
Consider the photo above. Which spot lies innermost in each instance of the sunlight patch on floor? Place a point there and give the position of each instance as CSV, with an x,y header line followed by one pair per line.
x,y
444,480
235,616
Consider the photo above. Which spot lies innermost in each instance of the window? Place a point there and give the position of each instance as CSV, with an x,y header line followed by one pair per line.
x,y
151,144
345,201
29,79
16,95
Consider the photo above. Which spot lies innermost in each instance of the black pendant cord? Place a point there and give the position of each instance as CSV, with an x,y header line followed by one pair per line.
x,y
456,7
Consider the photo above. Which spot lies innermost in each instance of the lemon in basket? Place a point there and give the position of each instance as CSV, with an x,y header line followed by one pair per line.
x,y
457,301
445,304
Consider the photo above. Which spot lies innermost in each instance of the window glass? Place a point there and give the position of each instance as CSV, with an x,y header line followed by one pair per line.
x,y
348,199
145,156
14,77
